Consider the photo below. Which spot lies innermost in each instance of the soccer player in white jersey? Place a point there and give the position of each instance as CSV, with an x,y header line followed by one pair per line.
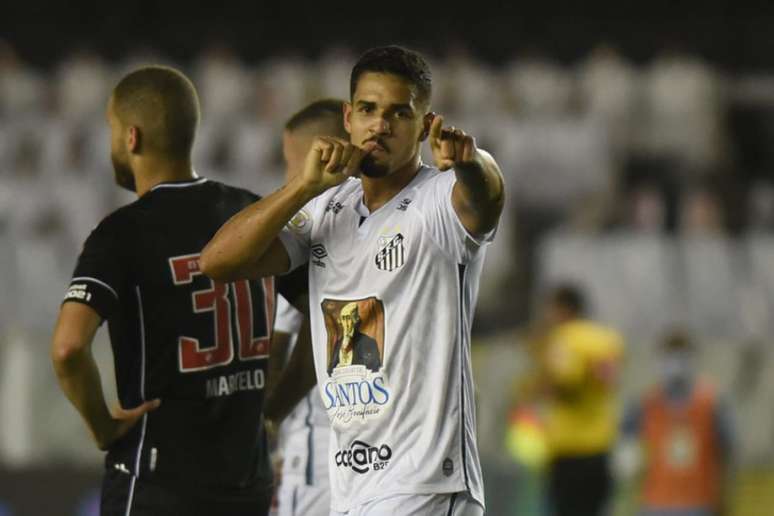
x,y
394,259
305,432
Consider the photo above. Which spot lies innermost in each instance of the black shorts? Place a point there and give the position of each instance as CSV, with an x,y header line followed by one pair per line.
x,y
124,495
579,486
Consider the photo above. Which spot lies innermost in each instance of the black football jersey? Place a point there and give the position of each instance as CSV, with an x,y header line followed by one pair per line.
x,y
200,346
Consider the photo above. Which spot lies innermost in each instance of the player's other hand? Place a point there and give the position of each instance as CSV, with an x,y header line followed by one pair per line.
x,y
330,161
121,422
451,147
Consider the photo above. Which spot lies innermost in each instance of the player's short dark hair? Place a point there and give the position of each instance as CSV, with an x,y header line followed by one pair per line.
x,y
678,340
324,110
395,60
570,297
162,102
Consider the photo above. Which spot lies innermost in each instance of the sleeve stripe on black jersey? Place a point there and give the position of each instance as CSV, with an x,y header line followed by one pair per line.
x,y
95,280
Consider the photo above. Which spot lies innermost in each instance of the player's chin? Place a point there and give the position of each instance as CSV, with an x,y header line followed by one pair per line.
x,y
372,168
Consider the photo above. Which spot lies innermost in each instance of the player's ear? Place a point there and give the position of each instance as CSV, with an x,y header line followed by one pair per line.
x,y
426,123
347,116
133,140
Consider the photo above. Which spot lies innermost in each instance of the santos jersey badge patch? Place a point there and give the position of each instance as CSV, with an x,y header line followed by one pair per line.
x,y
392,252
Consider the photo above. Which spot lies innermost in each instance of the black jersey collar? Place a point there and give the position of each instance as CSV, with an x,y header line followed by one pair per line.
x,y
180,184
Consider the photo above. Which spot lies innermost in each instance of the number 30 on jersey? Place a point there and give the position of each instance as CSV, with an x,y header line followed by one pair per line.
x,y
195,355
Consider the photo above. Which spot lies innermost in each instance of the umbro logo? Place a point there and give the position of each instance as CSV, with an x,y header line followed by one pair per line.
x,y
318,253
404,204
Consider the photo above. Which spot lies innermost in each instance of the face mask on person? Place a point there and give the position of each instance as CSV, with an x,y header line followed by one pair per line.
x,y
677,368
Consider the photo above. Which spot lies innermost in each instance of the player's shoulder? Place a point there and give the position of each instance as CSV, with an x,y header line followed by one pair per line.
x,y
119,219
348,192
426,189
229,192
430,180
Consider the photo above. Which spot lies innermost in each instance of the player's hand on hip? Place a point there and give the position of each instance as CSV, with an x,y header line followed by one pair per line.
x,y
330,162
451,147
121,422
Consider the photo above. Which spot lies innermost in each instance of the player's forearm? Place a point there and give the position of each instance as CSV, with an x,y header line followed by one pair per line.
x,y
296,380
80,380
479,193
279,354
238,249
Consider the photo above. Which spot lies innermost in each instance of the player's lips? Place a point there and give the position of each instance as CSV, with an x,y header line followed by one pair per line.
x,y
377,146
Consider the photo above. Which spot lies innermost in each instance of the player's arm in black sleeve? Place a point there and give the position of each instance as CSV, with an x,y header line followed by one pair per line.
x,y
89,300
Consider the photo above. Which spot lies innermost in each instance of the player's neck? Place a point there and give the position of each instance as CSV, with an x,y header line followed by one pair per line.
x,y
153,171
377,191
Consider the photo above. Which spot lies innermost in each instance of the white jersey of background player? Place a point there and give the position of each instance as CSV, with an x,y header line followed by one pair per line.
x,y
303,440
394,260
305,431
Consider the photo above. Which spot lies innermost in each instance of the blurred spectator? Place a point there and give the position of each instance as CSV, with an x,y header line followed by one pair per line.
x,y
22,89
468,87
332,77
82,85
538,87
578,361
222,81
608,87
684,112
761,207
687,436
283,84
646,210
701,213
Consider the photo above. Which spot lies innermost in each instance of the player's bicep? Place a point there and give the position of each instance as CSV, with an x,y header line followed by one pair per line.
x,y
75,329
275,261
447,225
478,221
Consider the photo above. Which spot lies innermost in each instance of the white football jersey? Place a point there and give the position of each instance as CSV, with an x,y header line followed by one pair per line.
x,y
304,435
392,297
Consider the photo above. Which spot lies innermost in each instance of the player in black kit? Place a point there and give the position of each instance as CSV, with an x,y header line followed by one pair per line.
x,y
190,354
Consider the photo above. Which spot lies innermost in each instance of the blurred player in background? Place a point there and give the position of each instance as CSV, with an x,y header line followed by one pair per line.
x,y
406,244
305,433
578,364
687,436
190,354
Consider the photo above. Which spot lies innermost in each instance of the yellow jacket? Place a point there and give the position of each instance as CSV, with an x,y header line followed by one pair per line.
x,y
580,365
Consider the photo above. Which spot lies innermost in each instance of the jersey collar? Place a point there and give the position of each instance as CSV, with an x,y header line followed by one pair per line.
x,y
362,209
180,184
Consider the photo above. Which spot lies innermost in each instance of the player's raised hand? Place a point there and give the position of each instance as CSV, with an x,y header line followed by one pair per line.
x,y
451,147
330,161
122,421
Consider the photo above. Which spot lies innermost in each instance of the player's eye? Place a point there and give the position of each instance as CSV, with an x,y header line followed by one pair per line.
x,y
364,108
404,113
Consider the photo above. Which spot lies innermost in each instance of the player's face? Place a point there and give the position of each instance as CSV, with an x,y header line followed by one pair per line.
x,y
119,153
385,110
295,146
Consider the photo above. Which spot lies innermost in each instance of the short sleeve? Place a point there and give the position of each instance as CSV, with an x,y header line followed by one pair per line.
x,y
100,272
444,224
288,319
296,235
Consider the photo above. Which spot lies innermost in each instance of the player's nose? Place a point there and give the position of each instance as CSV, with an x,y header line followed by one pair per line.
x,y
380,126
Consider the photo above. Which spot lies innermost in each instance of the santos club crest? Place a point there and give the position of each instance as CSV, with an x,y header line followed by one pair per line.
x,y
392,252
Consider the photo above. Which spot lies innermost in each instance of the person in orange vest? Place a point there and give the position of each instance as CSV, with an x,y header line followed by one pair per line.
x,y
686,433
